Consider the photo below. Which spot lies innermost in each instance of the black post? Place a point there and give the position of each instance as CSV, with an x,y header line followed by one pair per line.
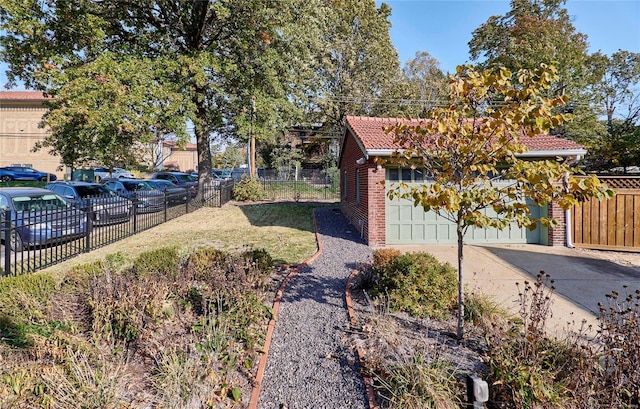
x,y
134,212
87,236
166,204
6,226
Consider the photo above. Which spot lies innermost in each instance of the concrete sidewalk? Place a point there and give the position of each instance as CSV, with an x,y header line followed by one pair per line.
x,y
582,280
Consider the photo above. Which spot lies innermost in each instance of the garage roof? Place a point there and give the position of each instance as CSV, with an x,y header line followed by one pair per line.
x,y
370,135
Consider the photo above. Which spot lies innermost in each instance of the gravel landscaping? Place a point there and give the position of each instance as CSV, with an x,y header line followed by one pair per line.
x,y
310,363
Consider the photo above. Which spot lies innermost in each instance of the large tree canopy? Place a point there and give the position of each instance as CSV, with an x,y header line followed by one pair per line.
x,y
223,53
359,64
531,33
540,31
106,110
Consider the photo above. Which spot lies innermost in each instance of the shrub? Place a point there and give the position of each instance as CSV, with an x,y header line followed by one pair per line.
x,y
618,376
416,283
260,258
121,305
24,298
203,263
159,262
248,189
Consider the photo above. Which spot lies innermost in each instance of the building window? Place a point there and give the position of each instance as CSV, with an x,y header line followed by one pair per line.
x,y
406,175
358,186
344,185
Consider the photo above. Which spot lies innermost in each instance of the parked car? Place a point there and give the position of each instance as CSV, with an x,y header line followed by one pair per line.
x,y
146,198
8,173
175,194
181,179
101,173
238,173
221,174
107,207
38,217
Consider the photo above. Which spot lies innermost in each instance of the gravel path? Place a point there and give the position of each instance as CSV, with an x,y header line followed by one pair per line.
x,y
309,365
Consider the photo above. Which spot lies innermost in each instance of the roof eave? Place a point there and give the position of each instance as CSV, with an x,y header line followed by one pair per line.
x,y
554,153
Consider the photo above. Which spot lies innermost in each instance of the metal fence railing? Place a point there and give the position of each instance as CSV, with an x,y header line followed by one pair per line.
x,y
312,189
35,235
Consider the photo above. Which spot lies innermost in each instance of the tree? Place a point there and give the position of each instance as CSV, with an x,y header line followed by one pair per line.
x,y
221,51
531,33
358,63
425,82
538,32
105,111
232,157
612,143
470,145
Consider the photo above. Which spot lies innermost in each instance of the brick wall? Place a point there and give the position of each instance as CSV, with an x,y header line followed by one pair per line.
x,y
354,206
557,236
376,191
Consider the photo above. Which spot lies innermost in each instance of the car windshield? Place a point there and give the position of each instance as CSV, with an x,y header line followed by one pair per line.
x,y
186,178
92,190
161,183
38,203
137,186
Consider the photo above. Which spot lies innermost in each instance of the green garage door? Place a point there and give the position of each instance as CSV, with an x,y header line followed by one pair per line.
x,y
406,224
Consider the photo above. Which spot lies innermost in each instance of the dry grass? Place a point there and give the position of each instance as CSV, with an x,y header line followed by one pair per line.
x,y
229,228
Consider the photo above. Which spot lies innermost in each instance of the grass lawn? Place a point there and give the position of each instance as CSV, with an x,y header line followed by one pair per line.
x,y
285,230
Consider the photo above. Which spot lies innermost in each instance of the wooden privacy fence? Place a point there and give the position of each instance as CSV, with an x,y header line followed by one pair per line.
x,y
612,224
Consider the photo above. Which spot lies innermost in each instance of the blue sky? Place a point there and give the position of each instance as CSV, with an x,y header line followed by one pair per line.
x,y
444,27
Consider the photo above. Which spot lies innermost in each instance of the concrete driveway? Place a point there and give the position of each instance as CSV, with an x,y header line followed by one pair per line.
x,y
582,279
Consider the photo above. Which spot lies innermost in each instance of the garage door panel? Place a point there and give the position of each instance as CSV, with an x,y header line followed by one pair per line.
x,y
406,224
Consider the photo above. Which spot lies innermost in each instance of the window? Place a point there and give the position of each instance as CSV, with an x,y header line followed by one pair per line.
x,y
344,185
406,175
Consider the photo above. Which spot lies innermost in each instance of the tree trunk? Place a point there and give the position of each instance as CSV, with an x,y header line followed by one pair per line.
x,y
202,142
460,333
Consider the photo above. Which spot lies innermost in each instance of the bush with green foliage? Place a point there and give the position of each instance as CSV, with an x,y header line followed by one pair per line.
x,y
416,283
248,189
158,262
24,300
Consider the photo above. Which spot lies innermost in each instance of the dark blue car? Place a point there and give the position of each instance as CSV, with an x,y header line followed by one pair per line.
x,y
38,217
8,173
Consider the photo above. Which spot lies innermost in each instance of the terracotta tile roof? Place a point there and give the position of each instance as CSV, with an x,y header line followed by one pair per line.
x,y
21,95
370,132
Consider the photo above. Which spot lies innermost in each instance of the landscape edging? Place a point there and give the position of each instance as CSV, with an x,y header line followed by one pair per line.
x,y
255,393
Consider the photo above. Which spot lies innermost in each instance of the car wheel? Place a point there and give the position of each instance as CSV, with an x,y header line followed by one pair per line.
x,y
6,178
15,242
43,179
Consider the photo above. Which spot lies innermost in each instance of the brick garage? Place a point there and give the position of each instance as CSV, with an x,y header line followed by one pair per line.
x,y
382,222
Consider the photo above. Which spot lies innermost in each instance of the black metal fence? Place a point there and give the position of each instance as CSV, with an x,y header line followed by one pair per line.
x,y
310,189
305,184
39,235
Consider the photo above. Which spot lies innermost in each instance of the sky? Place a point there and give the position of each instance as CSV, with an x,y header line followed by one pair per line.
x,y
443,28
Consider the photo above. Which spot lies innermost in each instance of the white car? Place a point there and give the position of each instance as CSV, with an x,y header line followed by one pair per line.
x,y
100,173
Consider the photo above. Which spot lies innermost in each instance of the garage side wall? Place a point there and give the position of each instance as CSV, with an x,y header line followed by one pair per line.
x,y
361,195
